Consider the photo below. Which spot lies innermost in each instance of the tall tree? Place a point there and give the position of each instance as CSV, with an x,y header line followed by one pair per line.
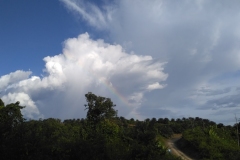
x,y
1,103
99,108
10,115
10,119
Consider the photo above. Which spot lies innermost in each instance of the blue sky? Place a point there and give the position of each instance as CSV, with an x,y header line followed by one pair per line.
x,y
153,58
32,30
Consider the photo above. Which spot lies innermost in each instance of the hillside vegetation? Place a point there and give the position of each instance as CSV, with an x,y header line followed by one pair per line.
x,y
213,142
102,135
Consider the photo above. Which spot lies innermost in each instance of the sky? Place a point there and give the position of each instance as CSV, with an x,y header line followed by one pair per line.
x,y
153,58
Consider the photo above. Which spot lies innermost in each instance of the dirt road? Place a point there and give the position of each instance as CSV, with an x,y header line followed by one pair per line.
x,y
174,150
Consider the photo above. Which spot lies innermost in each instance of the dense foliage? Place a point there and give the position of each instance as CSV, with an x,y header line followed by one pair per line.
x,y
214,142
102,135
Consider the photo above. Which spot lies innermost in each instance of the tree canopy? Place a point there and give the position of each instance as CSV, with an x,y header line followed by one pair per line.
x,y
99,108
102,135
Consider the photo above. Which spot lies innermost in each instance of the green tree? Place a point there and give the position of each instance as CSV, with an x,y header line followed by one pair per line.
x,y
1,103
10,118
10,115
99,108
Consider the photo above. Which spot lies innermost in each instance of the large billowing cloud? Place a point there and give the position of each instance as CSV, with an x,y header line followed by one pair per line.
x,y
199,40
85,65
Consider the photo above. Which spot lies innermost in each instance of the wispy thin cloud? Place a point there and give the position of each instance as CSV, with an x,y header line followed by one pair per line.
x,y
96,17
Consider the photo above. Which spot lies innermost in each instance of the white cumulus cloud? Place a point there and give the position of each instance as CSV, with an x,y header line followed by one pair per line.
x,y
85,65
13,77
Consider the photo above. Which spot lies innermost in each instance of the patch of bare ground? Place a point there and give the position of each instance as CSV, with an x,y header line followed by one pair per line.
x,y
180,148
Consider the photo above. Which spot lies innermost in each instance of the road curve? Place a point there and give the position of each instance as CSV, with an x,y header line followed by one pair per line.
x,y
174,150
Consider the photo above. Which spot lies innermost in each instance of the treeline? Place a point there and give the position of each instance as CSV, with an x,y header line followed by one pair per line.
x,y
102,135
213,142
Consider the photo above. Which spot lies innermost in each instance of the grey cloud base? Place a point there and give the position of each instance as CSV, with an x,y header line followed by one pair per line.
x,y
199,40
